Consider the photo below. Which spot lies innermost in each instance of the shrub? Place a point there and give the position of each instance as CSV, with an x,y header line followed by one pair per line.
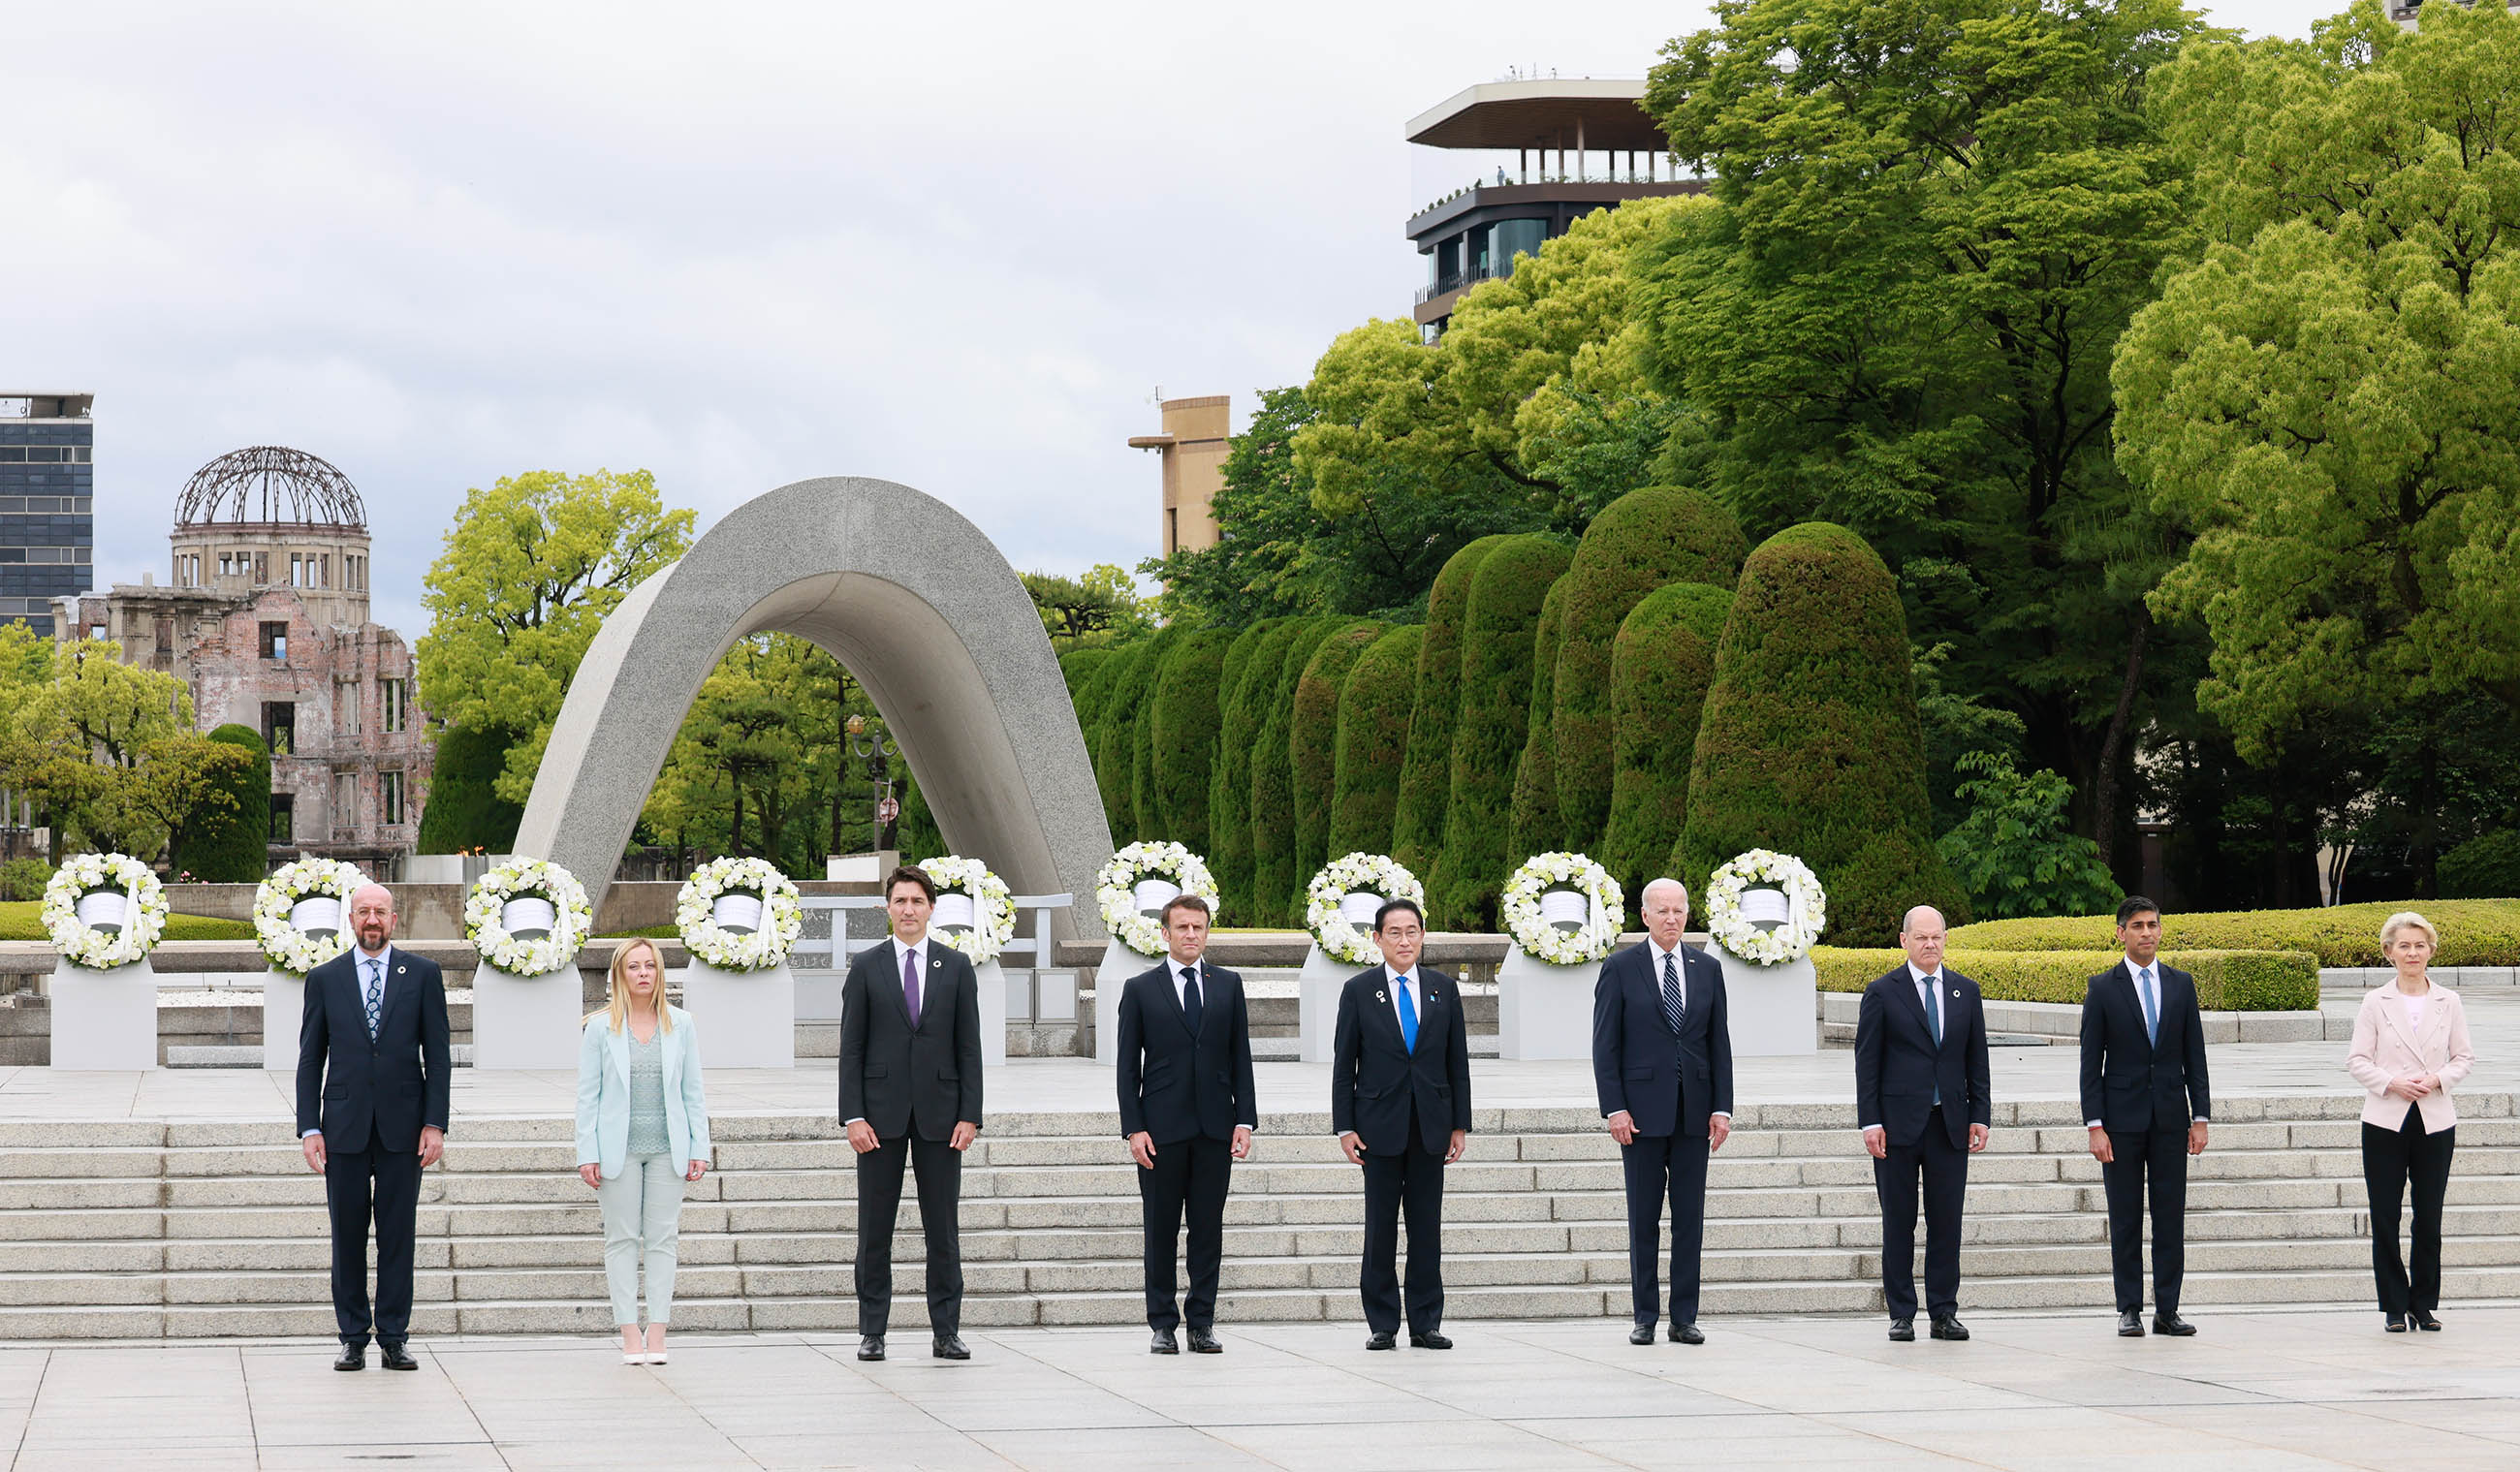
x,y
1274,879
1499,638
916,836
2484,868
1537,826
463,811
1427,773
2016,852
1660,670
1642,541
1089,675
2473,932
1373,714
1143,820
1312,743
1183,739
2226,981
233,846
1257,650
1115,734
1809,744
25,879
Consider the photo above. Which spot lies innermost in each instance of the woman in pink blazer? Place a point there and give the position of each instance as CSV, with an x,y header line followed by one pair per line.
x,y
2410,1049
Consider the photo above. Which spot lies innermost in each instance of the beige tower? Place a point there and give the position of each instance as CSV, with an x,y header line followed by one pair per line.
x,y
1198,434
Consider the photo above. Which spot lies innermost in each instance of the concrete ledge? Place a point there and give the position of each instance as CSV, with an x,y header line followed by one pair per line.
x,y
2064,1019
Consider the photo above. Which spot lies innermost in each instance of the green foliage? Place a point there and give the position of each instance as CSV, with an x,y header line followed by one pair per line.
x,y
24,922
1251,664
1274,878
465,811
1312,744
2473,932
1079,612
1374,712
1115,732
1660,666
107,749
2485,866
23,879
229,843
2232,981
1426,770
1639,542
1500,633
1809,744
2015,853
1183,737
1537,827
917,835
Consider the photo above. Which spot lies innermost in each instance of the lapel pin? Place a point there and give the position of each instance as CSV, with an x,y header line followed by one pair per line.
x,y
1956,994
1382,995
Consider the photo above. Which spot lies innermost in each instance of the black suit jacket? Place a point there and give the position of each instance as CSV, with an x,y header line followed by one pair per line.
x,y
894,1077
1897,1067
1375,1079
1667,1085
1174,1084
2129,1084
349,1087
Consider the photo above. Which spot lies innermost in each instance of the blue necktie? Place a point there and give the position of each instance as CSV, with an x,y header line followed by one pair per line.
x,y
376,995
2151,1016
1408,1015
1191,1007
1934,1020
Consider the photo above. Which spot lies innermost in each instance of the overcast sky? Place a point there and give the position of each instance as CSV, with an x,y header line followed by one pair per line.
x,y
955,245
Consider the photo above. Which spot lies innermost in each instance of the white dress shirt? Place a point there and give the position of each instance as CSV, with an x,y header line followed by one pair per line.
x,y
1181,986
1407,981
1679,968
359,958
2144,988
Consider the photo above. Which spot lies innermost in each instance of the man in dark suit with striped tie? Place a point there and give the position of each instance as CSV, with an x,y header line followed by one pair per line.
x,y
1187,1110
1662,1063
2145,1101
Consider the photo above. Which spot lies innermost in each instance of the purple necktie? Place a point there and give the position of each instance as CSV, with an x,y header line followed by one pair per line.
x,y
910,983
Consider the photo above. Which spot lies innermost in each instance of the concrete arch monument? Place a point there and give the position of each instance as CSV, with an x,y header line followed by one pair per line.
x,y
930,618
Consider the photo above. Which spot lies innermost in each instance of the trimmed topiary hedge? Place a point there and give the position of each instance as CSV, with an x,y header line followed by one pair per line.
x,y
1642,541
1374,711
1498,636
2485,866
1311,742
1537,827
2473,932
916,835
232,847
1273,781
1811,744
1427,773
1089,675
1144,823
1115,732
1250,665
1660,667
2226,981
1183,739
464,810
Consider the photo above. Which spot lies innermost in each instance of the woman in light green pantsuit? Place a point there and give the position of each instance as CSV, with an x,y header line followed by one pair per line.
x,y
641,1131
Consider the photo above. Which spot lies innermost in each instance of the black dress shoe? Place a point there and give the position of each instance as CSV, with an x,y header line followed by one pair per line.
x,y
1163,1343
1687,1333
1379,1341
2396,1323
1948,1327
2425,1322
871,1346
353,1356
1641,1334
1902,1330
948,1347
1204,1342
395,1356
1430,1340
2172,1326
2131,1324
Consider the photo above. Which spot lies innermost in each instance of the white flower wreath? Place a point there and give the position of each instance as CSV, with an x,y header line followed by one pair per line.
x,y
275,926
1339,937
1738,931
993,907
1117,890
1529,925
144,917
783,914
486,909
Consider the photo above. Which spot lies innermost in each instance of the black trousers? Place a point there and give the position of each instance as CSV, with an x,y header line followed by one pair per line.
x,y
1188,1174
1656,1165
1413,1179
1944,1168
2153,1164
361,1186
2390,1159
939,1167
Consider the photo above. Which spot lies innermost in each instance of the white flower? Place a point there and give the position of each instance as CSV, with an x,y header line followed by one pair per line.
x,y
1376,873
1806,907
1115,890
144,918
288,948
783,914
1536,936
486,909
992,903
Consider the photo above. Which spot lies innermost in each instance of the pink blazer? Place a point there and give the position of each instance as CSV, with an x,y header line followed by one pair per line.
x,y
2384,1049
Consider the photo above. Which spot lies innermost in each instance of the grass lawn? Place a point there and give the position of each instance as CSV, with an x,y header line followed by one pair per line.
x,y
22,920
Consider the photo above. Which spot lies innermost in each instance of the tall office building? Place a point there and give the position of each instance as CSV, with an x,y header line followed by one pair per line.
x,y
47,509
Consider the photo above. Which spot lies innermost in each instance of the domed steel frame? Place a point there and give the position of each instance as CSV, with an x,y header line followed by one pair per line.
x,y
270,485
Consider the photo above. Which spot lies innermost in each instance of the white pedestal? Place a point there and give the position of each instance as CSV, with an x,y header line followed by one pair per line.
x,y
104,1019
746,1019
1773,1010
1317,1004
1544,1010
527,1021
283,1013
992,979
1112,973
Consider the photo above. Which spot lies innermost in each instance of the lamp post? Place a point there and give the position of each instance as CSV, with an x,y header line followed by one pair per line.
x,y
876,749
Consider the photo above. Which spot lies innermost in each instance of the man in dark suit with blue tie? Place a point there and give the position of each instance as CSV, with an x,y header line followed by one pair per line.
x,y
1922,1101
1400,1104
1188,1108
2146,1102
375,1081
1662,1063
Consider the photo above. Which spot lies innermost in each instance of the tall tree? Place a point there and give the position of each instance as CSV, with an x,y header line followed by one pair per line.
x,y
1499,639
1374,715
1426,770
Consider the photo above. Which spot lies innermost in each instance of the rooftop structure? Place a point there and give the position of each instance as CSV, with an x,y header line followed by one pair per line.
x,y
1197,435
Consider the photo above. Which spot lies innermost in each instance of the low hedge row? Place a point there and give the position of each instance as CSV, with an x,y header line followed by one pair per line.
x,y
2226,981
2473,932
23,920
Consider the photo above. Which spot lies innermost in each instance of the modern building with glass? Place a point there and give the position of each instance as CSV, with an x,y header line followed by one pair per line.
x,y
47,502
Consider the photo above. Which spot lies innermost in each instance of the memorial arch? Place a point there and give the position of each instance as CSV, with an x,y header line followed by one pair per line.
x,y
927,616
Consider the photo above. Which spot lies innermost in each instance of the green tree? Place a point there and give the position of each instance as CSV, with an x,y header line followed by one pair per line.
x,y
1660,667
1374,709
529,570
1115,734
1426,771
83,741
465,811
1810,744
183,783
1082,612
229,843
2016,852
1188,692
1251,664
1508,604
918,837
1273,781
1538,827
1312,743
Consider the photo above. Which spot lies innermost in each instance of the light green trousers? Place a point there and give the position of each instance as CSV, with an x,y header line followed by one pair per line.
x,y
642,1216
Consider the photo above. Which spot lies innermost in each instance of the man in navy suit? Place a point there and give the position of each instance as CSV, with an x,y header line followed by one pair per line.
x,y
1662,1061
1921,1099
1188,1108
1400,1104
373,1082
2147,1103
